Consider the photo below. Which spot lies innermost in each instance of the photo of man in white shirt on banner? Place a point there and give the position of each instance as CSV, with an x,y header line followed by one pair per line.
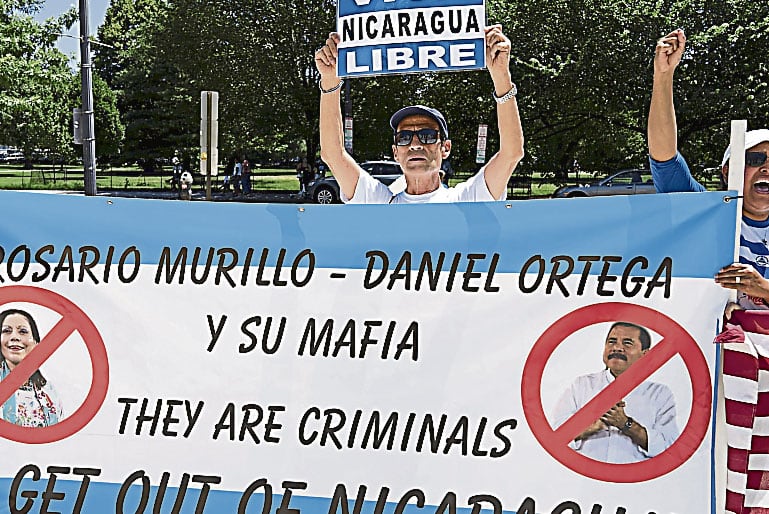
x,y
636,428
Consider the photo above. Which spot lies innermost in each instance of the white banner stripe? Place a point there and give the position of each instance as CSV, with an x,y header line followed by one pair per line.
x,y
740,389
756,498
759,462
761,426
740,348
739,437
736,481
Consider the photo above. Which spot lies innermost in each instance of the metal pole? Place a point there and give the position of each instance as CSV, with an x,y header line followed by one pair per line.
x,y
89,139
209,108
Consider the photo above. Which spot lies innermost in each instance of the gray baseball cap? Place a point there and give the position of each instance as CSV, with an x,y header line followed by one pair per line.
x,y
420,109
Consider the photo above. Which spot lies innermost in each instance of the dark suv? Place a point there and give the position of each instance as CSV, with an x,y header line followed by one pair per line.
x,y
326,189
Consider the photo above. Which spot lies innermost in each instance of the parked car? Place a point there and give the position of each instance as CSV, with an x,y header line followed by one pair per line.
x,y
625,182
326,189
13,157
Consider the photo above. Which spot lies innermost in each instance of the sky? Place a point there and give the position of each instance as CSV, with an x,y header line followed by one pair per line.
x,y
96,11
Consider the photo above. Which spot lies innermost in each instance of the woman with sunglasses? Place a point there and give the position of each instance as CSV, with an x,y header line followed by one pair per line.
x,y
35,403
421,139
671,174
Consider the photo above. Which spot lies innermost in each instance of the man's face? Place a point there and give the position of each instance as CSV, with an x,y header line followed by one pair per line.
x,y
755,203
622,349
416,157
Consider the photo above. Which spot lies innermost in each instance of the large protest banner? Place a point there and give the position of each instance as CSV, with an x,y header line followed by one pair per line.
x,y
369,359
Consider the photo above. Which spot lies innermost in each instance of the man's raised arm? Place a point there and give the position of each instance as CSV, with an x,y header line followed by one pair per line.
x,y
342,165
662,129
503,163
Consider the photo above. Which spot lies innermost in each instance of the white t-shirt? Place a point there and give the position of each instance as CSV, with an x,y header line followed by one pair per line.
x,y
370,190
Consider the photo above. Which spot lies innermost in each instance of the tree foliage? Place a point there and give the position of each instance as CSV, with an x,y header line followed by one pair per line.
x,y
34,78
151,96
38,89
583,68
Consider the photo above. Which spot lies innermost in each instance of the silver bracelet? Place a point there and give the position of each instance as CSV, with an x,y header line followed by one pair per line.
x,y
324,91
507,96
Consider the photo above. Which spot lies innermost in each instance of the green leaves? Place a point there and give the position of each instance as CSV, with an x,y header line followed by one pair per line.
x,y
33,79
38,90
583,68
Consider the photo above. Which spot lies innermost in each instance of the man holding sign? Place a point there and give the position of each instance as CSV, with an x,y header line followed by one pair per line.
x,y
421,138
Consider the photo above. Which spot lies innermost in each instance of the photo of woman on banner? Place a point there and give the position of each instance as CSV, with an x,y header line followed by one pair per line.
x,y
639,426
35,403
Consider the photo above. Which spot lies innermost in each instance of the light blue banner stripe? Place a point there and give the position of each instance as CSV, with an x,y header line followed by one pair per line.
x,y
348,7
102,498
654,226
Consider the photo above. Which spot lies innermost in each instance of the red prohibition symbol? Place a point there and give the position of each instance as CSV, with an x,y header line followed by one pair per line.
x,y
675,341
73,319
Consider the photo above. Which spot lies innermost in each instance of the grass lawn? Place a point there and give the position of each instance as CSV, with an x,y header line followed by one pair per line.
x,y
71,178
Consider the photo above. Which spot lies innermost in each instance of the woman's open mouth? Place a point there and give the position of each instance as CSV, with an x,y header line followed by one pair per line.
x,y
762,187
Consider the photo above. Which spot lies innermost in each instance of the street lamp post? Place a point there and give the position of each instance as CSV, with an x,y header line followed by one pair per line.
x,y
87,120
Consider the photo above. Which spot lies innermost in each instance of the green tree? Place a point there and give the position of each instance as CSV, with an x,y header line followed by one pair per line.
x,y
259,56
109,129
34,80
583,68
151,95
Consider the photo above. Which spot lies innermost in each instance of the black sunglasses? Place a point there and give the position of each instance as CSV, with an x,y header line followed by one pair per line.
x,y
427,136
755,159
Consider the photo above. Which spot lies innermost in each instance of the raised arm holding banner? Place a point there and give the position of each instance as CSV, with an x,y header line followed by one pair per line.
x,y
746,167
671,173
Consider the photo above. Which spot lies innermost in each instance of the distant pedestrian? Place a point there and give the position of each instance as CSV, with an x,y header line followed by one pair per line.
x,y
308,175
446,172
245,177
185,186
235,180
176,173
303,170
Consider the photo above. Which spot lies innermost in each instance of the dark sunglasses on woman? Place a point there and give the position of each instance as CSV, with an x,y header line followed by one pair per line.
x,y
755,159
